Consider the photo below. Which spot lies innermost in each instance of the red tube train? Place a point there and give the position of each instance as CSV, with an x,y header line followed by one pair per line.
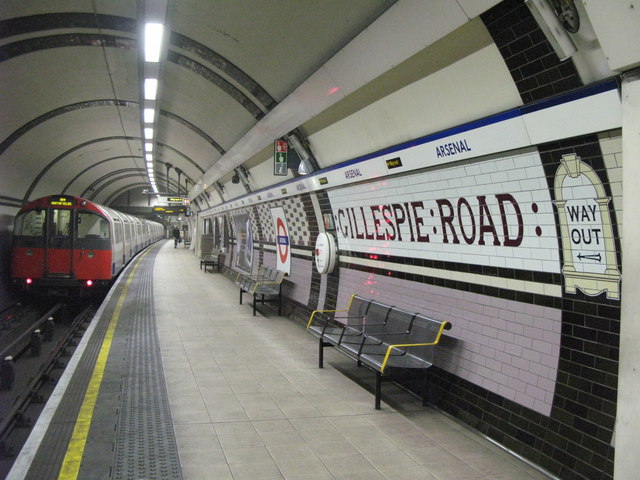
x,y
63,243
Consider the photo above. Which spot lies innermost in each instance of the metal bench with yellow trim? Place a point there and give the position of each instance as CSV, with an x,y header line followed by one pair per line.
x,y
266,285
383,338
212,260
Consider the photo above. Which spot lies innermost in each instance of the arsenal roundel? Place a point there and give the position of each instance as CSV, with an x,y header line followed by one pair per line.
x,y
283,242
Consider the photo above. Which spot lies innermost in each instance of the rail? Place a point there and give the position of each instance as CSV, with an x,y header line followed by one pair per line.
x,y
16,416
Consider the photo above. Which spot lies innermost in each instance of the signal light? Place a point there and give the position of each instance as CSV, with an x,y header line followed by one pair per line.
x,y
29,281
89,283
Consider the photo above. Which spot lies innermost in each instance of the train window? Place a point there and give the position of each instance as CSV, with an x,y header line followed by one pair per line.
x,y
118,229
30,224
61,222
92,225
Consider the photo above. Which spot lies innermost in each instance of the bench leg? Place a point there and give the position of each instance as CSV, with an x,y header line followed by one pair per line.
x,y
254,304
425,394
320,353
241,296
280,303
280,299
378,389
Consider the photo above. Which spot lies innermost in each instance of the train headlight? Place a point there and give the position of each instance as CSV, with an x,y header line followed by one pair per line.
x,y
89,283
29,252
29,281
91,254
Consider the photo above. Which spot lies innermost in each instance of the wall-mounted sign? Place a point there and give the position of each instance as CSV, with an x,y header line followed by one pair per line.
x,y
244,241
61,201
170,210
283,244
326,253
328,221
479,224
280,152
394,163
590,262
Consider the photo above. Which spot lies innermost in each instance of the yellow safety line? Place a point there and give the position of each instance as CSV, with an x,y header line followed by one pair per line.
x,y
73,457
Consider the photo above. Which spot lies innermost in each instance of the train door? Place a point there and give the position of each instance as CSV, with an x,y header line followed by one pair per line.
x,y
59,244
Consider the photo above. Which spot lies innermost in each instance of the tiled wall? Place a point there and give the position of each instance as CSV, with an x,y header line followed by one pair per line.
x,y
527,362
534,66
531,361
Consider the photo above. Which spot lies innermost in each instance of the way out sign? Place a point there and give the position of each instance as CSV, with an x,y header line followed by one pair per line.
x,y
283,245
280,150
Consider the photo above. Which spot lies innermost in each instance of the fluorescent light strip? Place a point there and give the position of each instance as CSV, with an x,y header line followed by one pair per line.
x,y
148,133
152,41
149,114
150,88
148,147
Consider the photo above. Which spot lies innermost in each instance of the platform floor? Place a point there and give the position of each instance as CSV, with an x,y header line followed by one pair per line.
x,y
248,401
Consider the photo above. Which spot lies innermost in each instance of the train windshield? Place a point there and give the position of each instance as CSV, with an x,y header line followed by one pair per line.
x,y
30,224
60,228
91,225
61,223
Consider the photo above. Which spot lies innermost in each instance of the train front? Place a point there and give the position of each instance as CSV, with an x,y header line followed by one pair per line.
x,y
61,245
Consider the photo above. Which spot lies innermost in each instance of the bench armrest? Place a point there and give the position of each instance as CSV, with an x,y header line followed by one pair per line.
x,y
398,346
313,314
383,334
253,286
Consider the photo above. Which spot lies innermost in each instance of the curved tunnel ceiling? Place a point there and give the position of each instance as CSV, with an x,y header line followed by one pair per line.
x,y
71,81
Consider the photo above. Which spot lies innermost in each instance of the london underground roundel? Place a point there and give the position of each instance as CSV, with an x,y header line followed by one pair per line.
x,y
283,240
325,253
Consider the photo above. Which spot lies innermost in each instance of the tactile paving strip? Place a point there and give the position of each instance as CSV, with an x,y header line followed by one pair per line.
x,y
145,445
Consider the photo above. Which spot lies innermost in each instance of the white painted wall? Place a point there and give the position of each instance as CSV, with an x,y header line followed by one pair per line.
x,y
627,440
474,87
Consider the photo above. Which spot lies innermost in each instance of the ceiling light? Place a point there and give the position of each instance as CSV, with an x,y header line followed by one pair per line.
x,y
148,133
149,113
150,88
152,41
148,157
148,147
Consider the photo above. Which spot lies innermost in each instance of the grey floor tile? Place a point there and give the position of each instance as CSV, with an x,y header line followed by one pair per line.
x,y
249,409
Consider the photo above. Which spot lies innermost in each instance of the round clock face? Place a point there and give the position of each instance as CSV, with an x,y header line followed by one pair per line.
x,y
567,14
325,253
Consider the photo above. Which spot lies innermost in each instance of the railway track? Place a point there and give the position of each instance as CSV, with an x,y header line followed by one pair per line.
x,y
37,364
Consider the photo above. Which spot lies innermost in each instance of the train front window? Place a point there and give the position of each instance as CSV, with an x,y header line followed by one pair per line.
x,y
91,225
30,224
60,223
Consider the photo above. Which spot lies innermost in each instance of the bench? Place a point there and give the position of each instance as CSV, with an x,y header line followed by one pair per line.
x,y
266,283
187,242
211,260
383,338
